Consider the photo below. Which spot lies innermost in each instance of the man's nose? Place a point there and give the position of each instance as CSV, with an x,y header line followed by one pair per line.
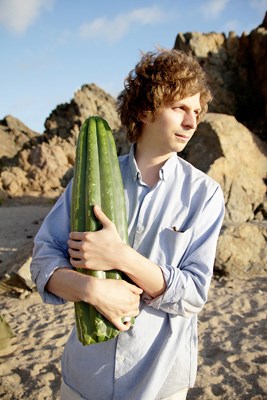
x,y
190,120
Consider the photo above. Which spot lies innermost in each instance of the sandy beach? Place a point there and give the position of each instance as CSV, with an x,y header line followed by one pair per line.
x,y
232,331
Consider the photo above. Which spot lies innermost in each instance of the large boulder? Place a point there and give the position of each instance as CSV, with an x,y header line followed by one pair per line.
x,y
242,250
211,49
236,158
66,119
236,70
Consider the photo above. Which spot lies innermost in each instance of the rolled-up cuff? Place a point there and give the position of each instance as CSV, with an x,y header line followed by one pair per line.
x,y
157,301
46,296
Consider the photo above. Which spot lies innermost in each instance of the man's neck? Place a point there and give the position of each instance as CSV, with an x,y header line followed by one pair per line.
x,y
149,163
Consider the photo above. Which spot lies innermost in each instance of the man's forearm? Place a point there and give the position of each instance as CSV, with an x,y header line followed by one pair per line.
x,y
143,272
68,284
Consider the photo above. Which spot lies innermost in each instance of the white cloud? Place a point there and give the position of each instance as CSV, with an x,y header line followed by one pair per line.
x,y
260,5
18,15
232,25
213,8
114,29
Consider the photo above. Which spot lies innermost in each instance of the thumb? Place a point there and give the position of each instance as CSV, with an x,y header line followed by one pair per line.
x,y
121,326
101,216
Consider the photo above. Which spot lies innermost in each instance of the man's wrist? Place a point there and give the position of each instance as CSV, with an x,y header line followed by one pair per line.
x,y
87,288
124,258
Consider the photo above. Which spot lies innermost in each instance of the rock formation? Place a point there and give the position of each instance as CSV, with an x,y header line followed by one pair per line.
x,y
226,150
236,158
237,73
43,167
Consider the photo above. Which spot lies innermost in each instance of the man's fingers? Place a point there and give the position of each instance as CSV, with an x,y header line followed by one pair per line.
x,y
134,289
121,325
126,319
76,263
74,253
76,236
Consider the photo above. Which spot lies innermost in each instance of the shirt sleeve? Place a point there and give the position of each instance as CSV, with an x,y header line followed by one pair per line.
x,y
188,282
50,250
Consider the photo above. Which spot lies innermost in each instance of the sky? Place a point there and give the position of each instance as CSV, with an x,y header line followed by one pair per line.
x,y
50,48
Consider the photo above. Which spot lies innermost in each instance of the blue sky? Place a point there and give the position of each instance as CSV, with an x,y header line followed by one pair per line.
x,y
50,48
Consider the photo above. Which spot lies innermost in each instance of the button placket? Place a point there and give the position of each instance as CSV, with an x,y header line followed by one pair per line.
x,y
141,220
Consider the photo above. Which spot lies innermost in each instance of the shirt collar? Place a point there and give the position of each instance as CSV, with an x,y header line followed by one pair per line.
x,y
164,172
167,169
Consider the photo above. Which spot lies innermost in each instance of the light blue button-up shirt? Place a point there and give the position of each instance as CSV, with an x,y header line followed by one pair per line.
x,y
176,225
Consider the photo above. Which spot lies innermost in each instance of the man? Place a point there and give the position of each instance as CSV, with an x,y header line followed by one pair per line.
x,y
174,216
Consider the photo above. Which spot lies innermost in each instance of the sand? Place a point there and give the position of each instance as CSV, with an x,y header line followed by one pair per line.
x,y
232,331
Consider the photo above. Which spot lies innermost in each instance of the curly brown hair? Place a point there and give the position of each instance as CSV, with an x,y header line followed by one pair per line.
x,y
157,80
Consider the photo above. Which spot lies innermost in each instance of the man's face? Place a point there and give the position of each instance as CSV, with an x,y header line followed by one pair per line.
x,y
173,126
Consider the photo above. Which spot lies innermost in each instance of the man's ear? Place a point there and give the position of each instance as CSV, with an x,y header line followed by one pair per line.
x,y
145,116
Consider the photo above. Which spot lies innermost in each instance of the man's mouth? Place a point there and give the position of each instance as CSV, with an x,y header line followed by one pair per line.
x,y
182,137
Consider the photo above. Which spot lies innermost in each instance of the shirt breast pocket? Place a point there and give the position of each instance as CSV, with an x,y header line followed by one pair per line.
x,y
173,245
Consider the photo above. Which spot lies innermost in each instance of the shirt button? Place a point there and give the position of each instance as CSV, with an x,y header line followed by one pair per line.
x,y
140,229
120,358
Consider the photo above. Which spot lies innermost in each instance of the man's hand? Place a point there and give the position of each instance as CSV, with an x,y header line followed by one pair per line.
x,y
115,299
96,250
